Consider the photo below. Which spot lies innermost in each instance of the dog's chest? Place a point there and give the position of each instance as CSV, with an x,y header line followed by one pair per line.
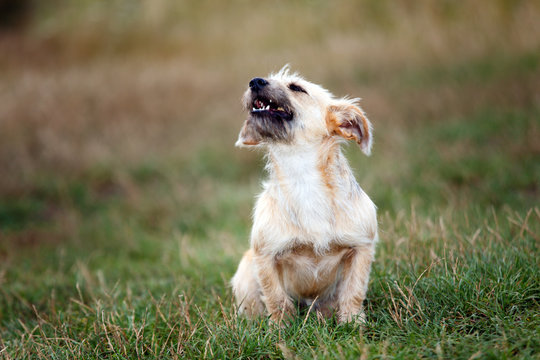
x,y
304,205
303,197
306,274
304,202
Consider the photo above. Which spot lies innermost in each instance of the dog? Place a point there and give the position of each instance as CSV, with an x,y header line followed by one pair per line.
x,y
314,229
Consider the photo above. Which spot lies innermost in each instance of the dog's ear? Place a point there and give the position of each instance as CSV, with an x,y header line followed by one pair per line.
x,y
346,119
248,135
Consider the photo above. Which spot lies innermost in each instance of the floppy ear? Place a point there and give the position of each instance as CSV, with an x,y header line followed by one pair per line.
x,y
346,119
248,135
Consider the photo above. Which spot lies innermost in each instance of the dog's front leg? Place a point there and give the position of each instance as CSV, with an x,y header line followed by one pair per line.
x,y
278,304
353,287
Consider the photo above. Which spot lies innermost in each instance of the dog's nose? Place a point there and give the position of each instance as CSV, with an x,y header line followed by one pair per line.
x,y
257,83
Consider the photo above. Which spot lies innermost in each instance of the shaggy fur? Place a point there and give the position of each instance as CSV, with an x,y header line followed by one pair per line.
x,y
314,228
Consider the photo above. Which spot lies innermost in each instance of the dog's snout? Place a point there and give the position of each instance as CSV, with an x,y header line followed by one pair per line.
x,y
257,84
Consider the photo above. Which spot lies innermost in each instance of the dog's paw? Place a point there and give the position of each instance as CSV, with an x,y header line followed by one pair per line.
x,y
349,317
284,316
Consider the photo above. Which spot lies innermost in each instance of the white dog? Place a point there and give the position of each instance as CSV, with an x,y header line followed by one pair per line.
x,y
314,229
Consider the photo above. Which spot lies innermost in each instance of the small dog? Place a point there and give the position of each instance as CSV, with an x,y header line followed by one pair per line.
x,y
314,229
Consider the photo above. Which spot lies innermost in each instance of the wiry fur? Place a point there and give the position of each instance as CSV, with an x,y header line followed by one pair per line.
x,y
314,228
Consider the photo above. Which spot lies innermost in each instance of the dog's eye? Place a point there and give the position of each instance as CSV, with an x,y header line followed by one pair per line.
x,y
298,88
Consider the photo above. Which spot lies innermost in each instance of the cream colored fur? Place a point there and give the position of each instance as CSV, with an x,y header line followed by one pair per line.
x,y
314,228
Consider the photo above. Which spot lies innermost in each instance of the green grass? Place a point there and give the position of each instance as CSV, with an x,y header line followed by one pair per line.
x,y
450,285
119,243
137,260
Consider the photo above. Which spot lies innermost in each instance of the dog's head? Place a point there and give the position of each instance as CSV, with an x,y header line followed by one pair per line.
x,y
286,109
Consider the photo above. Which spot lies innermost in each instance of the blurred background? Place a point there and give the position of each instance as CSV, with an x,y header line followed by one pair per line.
x,y
118,118
120,183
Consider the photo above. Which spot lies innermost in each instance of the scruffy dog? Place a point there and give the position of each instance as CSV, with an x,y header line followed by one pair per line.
x,y
314,228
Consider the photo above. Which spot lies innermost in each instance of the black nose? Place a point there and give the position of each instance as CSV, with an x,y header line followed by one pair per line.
x,y
257,83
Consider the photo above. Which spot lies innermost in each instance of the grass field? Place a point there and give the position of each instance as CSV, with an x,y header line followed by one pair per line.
x,y
125,208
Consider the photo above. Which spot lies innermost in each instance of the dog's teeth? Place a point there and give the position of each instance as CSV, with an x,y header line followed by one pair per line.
x,y
267,107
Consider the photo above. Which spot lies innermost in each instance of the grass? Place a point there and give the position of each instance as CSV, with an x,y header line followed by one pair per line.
x,y
124,208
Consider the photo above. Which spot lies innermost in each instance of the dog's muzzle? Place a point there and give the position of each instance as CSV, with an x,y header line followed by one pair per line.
x,y
268,102
270,114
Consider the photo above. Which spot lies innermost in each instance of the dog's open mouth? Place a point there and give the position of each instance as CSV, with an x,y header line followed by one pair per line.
x,y
263,105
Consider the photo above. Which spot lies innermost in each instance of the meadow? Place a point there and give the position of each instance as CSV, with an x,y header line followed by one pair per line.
x,y
125,208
